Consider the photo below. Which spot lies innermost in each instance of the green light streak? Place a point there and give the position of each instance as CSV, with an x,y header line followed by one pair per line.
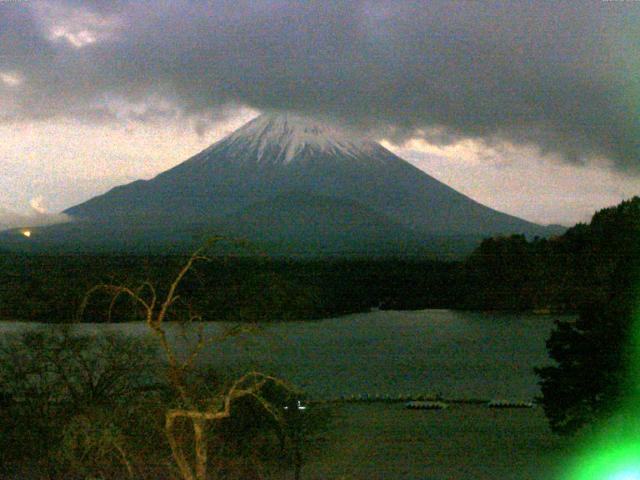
x,y
617,460
613,453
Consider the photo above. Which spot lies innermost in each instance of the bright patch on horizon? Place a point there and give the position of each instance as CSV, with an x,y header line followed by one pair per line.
x,y
37,204
26,233
11,79
78,40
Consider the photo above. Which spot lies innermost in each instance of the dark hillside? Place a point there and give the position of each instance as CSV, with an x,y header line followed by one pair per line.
x,y
561,273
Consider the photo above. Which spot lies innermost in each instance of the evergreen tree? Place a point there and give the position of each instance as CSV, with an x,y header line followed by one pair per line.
x,y
596,355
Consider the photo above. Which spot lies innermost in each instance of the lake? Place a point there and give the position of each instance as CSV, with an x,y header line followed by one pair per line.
x,y
456,354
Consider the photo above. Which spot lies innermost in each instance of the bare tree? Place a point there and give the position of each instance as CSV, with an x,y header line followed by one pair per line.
x,y
64,393
197,412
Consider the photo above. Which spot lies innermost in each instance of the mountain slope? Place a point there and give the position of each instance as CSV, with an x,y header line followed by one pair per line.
x,y
256,179
300,222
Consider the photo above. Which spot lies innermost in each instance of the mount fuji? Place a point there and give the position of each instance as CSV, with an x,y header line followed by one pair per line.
x,y
291,185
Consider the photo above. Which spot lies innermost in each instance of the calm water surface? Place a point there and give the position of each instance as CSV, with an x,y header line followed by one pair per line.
x,y
456,354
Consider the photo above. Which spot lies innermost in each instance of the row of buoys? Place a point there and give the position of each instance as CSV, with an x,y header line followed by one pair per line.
x,y
364,398
427,401
426,405
509,404
439,405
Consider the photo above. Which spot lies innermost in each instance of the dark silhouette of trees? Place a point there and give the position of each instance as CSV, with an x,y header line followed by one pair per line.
x,y
559,274
596,355
49,288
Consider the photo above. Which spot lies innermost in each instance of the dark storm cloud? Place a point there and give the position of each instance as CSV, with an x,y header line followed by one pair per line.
x,y
561,75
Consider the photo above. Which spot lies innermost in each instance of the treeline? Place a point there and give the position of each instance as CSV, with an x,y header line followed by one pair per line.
x,y
51,288
504,273
558,274
594,369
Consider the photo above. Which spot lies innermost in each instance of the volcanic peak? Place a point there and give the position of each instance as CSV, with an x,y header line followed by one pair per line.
x,y
290,135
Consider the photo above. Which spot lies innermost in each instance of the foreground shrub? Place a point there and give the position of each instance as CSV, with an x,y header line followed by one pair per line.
x,y
54,381
79,406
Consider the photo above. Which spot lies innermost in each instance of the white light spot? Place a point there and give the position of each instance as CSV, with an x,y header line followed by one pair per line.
x,y
299,405
26,233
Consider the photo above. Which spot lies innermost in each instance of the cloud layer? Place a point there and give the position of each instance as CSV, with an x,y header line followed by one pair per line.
x,y
9,219
563,76
37,216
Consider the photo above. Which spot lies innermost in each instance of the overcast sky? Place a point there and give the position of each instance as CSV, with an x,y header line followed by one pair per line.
x,y
532,108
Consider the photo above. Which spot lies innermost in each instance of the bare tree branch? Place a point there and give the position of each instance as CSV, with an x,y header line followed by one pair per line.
x,y
219,407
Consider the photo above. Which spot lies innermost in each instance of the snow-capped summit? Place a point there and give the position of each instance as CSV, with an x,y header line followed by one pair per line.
x,y
285,137
295,184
